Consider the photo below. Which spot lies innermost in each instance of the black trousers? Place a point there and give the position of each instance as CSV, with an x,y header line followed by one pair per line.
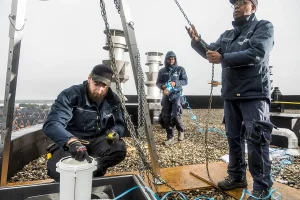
x,y
241,117
106,155
171,115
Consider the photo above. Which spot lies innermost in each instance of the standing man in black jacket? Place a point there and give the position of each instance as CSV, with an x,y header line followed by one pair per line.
x,y
87,120
175,77
244,55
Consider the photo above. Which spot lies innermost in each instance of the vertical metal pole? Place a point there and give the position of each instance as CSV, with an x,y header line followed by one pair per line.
x,y
17,23
133,52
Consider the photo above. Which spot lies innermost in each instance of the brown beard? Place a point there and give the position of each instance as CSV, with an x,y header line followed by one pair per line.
x,y
95,97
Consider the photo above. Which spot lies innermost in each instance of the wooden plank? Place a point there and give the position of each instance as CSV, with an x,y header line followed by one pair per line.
x,y
177,177
120,173
180,178
218,171
20,183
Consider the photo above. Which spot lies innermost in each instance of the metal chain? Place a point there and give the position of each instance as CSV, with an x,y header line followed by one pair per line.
x,y
13,17
191,25
127,118
141,95
146,166
208,121
187,19
142,104
141,89
141,114
210,98
117,5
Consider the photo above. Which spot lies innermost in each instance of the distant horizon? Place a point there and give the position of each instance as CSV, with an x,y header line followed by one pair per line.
x,y
33,100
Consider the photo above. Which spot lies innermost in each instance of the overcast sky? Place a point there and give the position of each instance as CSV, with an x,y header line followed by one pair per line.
x,y
62,42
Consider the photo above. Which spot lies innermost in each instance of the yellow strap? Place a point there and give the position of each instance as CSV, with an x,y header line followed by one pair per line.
x,y
285,102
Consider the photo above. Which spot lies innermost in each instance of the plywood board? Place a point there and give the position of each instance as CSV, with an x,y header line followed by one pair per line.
x,y
218,171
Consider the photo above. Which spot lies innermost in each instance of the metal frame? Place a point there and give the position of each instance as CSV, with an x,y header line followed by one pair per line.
x,y
17,19
17,22
128,28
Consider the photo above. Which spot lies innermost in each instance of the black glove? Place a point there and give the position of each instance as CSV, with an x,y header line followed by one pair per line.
x,y
78,151
112,137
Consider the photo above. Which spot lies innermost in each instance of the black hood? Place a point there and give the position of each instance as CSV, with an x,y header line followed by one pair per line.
x,y
168,55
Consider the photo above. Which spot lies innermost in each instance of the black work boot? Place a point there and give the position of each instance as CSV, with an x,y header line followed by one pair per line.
x,y
231,183
260,194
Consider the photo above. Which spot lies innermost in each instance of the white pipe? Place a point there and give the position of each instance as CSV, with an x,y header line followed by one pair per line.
x,y
120,47
154,62
292,140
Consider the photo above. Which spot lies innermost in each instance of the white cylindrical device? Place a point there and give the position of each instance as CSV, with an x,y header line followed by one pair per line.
x,y
75,178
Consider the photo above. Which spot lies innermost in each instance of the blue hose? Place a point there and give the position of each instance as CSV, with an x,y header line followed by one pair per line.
x,y
156,197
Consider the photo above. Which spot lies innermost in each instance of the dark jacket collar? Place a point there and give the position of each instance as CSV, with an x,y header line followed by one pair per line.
x,y
241,23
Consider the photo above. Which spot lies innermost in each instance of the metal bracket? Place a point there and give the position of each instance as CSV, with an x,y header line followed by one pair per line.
x,y
158,181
